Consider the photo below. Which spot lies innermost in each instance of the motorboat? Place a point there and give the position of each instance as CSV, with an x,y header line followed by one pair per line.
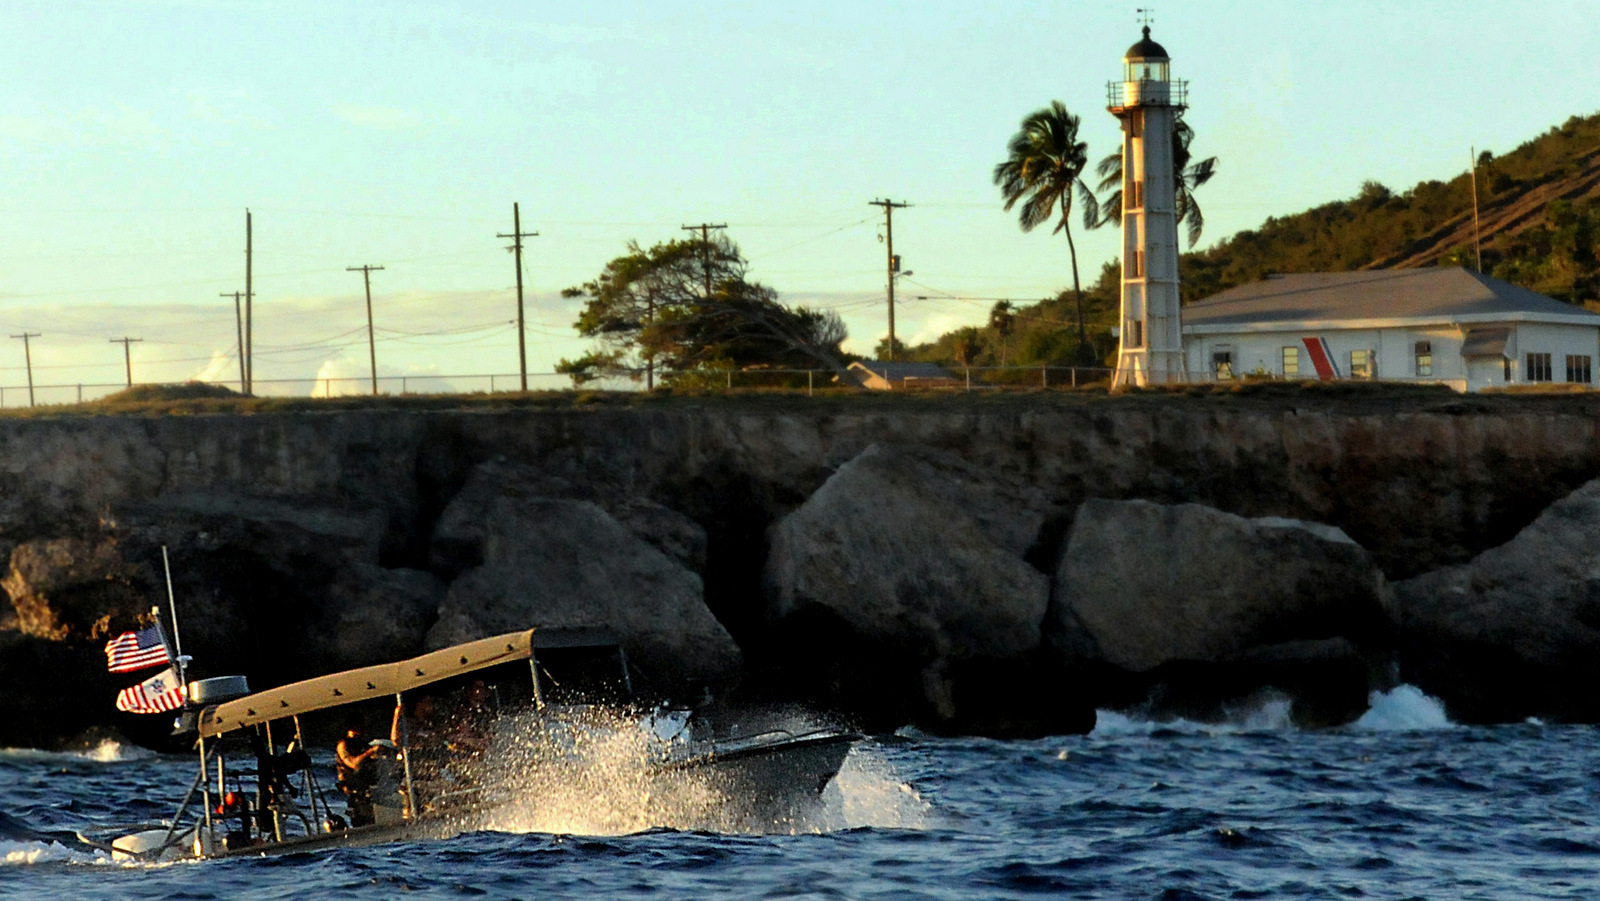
x,y
502,724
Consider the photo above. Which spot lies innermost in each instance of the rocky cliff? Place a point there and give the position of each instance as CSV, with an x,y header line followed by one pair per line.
x,y
899,559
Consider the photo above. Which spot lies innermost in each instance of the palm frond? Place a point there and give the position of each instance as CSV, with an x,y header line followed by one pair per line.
x,y
1091,207
1201,172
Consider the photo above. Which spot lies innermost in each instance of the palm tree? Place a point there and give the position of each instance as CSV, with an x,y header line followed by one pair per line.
x,y
1045,166
1002,319
1185,179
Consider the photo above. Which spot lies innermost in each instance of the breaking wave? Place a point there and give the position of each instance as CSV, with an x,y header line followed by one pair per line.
x,y
14,854
1404,708
1267,714
107,751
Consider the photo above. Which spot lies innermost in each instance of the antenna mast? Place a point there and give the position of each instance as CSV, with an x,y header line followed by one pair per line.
x,y
1477,240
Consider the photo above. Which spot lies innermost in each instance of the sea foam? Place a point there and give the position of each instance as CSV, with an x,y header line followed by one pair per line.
x,y
1405,708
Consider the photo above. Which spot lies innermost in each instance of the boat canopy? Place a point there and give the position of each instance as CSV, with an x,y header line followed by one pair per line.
x,y
352,686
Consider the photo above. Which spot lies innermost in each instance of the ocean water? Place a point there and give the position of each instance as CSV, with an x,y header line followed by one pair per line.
x,y
1403,804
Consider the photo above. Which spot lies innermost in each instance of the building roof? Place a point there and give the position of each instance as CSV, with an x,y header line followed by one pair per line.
x,y
1146,49
1375,299
895,371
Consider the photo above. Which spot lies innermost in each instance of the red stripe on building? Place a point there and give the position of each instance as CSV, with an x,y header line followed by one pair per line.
x,y
1317,349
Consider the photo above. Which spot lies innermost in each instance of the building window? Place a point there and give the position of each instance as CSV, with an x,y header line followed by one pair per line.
x,y
1579,369
1291,362
1136,196
1361,364
1505,362
1135,334
1538,367
1222,364
1423,351
1137,262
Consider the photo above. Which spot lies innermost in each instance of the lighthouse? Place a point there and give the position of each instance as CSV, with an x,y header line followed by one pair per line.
x,y
1148,103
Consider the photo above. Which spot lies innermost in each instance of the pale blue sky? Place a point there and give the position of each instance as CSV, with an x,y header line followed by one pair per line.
x,y
133,135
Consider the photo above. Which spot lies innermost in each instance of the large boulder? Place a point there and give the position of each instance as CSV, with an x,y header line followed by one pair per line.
x,y
458,537
1205,606
904,574
561,562
1155,583
374,615
1516,630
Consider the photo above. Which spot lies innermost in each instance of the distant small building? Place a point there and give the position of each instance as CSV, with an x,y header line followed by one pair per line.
x,y
1446,325
882,375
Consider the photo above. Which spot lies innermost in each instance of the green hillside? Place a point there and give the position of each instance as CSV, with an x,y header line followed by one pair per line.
x,y
1539,212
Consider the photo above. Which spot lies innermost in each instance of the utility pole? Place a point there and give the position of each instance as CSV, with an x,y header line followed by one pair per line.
x,y
238,324
247,349
1477,243
372,348
127,354
27,354
705,229
889,207
516,236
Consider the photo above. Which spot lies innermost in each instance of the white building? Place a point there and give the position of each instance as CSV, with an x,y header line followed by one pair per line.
x,y
1148,102
1448,325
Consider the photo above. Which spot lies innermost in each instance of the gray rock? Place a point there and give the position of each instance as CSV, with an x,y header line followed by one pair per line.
x,y
374,615
1153,584
917,550
459,534
1517,628
555,562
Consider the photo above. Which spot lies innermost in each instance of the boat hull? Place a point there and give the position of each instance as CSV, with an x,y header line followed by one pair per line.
x,y
760,788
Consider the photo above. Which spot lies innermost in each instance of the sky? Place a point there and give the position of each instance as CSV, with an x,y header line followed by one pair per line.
x,y
134,134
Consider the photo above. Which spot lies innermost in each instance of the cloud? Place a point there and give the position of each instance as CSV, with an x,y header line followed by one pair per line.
x,y
381,118
87,126
227,107
224,366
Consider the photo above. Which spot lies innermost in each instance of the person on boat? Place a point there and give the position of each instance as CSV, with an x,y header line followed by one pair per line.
x,y
358,761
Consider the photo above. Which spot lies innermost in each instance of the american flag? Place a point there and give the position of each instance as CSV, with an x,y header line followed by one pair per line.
x,y
157,694
137,650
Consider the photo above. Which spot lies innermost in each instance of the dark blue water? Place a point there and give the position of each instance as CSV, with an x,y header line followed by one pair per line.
x,y
1136,810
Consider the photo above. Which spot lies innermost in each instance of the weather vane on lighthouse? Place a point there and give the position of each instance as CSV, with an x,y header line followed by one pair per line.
x,y
1148,102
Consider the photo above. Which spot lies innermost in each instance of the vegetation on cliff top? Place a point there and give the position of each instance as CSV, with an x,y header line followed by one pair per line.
x,y
1540,221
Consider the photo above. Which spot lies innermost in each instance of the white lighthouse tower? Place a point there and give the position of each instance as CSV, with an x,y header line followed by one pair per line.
x,y
1148,102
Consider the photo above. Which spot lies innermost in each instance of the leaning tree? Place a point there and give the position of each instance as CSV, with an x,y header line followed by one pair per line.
x,y
1044,171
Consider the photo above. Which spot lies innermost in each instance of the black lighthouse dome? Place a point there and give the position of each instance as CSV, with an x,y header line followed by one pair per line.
x,y
1146,49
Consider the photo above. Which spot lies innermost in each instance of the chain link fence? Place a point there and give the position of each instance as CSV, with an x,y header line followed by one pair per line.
x,y
805,381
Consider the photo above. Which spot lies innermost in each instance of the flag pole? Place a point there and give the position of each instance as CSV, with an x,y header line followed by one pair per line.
x,y
177,639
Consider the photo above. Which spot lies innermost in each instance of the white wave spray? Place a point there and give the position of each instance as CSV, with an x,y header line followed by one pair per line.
x,y
1404,708
1268,713
609,772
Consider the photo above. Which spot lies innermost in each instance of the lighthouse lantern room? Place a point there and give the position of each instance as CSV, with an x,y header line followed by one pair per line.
x,y
1148,103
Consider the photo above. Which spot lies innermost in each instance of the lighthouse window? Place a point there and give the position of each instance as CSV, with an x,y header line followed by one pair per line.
x,y
1579,369
1136,333
1538,367
1137,262
1136,196
1291,362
